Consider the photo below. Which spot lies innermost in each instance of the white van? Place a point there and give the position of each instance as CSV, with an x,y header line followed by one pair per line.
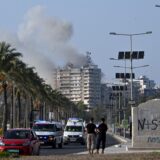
x,y
74,131
49,133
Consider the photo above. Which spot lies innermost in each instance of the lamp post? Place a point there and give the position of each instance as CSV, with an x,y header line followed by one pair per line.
x,y
124,107
131,51
131,67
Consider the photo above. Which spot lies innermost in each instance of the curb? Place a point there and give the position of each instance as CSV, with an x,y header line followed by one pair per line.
x,y
119,138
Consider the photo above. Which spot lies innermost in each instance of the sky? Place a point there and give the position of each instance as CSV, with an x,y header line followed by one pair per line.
x,y
52,33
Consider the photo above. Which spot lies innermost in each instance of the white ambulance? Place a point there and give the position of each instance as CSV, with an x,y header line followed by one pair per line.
x,y
74,131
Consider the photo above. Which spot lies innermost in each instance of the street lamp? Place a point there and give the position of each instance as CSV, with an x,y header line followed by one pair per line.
x,y
131,51
124,83
131,66
131,76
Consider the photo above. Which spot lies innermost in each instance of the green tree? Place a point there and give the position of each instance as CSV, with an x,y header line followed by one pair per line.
x,y
8,58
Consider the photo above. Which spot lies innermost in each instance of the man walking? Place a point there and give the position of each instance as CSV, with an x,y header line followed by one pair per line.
x,y
101,135
91,127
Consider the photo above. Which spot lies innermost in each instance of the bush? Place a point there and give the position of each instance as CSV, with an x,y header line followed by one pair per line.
x,y
4,154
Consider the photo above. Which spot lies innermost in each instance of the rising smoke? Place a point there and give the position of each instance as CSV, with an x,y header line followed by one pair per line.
x,y
44,42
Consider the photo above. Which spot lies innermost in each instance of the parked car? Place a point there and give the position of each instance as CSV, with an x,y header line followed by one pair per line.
x,y
20,141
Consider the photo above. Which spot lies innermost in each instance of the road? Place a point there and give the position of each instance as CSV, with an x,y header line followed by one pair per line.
x,y
67,149
72,148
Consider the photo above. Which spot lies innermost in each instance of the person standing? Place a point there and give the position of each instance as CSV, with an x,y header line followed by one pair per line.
x,y
101,135
91,135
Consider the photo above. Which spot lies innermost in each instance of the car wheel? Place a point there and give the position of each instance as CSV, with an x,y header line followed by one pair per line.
x,y
38,151
54,144
32,152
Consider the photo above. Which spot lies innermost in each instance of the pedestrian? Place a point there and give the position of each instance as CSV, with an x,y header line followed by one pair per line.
x,y
91,136
101,135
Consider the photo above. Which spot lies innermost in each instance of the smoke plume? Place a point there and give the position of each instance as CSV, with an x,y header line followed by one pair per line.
x,y
44,42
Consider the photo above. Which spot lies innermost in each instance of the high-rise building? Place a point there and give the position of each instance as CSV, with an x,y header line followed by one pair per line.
x,y
80,84
91,85
147,86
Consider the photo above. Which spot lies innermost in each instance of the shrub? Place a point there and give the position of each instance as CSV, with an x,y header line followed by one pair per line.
x,y
4,154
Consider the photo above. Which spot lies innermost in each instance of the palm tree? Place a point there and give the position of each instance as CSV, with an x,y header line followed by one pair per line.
x,y
29,87
8,57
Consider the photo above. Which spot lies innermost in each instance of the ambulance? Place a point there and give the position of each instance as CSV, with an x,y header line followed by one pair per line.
x,y
74,131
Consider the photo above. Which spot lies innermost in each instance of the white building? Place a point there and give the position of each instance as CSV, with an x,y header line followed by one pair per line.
x,y
80,84
91,85
146,84
68,81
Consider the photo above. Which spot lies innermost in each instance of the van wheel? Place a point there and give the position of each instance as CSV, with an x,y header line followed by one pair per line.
x,y
60,144
54,144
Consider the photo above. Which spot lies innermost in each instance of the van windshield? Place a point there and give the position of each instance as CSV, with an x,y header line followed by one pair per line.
x,y
73,128
44,127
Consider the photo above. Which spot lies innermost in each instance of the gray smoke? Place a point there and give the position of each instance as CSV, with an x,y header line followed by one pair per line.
x,y
44,42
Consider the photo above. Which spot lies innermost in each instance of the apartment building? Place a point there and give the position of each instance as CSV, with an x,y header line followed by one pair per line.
x,y
80,84
91,85
147,86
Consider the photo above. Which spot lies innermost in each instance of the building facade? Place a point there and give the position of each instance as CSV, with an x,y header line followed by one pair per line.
x,y
80,84
147,86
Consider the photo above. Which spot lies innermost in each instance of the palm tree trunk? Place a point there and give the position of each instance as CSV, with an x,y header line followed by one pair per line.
x,y
12,108
31,112
44,110
25,112
5,111
19,110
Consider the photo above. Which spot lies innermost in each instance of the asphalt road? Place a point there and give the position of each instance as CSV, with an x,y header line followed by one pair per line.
x,y
72,148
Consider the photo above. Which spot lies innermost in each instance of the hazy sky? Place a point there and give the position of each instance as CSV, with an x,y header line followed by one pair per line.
x,y
53,32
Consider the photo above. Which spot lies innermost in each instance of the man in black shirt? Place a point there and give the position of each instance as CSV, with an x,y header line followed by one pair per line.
x,y
91,127
101,135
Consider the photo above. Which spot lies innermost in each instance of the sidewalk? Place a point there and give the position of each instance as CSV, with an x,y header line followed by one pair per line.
x,y
125,146
122,147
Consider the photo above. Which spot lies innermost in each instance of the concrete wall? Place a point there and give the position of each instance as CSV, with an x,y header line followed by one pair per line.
x,y
146,125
